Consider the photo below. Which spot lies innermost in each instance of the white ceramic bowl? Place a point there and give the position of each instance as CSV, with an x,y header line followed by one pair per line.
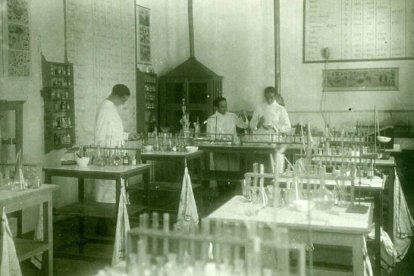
x,y
383,139
191,148
303,205
83,161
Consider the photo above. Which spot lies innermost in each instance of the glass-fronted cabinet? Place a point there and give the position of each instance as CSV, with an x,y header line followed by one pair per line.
x,y
196,85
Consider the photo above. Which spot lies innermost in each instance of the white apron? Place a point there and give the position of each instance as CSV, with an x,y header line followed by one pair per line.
x,y
109,132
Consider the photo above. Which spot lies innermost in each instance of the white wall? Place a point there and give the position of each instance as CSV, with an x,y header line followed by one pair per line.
x,y
234,38
302,83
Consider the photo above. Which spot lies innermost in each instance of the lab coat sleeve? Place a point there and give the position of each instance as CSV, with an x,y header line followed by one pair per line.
x,y
211,125
108,128
255,119
240,123
284,122
103,129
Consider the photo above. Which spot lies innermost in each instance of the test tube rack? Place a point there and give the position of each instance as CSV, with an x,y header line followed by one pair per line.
x,y
272,138
217,248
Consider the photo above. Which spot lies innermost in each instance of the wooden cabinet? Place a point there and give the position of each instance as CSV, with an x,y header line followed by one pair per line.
x,y
59,106
147,102
194,83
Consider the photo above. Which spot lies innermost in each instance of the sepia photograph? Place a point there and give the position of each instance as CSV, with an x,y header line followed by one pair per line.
x,y
206,137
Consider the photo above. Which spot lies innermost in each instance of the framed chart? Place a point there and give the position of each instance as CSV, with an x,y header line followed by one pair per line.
x,y
16,57
372,79
143,35
358,30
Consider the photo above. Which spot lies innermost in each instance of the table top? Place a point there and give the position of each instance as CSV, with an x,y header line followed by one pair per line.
x,y
171,154
390,162
247,146
375,183
9,196
238,209
73,170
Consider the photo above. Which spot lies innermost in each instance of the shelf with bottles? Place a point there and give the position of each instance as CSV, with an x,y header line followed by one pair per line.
x,y
150,78
63,139
147,101
59,104
150,106
60,70
55,107
56,74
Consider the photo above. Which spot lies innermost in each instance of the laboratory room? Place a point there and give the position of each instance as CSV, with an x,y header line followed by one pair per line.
x,y
207,137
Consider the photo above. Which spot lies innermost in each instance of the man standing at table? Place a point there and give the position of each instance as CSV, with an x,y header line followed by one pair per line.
x,y
270,117
223,122
222,125
109,132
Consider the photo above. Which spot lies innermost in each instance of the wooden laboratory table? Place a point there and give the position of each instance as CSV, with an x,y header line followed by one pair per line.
x,y
375,185
82,209
246,151
171,182
18,200
175,156
386,167
334,227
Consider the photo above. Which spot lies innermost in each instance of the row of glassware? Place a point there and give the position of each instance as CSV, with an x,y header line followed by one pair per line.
x,y
16,179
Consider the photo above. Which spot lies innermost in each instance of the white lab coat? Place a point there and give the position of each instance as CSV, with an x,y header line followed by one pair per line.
x,y
109,132
224,124
275,116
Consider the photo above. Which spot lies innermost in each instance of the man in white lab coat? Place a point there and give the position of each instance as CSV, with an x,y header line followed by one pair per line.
x,y
223,122
222,126
109,132
270,117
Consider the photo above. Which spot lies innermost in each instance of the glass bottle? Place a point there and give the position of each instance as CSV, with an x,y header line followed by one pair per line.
x,y
117,159
323,198
125,159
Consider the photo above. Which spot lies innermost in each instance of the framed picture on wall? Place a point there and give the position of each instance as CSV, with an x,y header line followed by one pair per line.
x,y
16,57
370,79
143,35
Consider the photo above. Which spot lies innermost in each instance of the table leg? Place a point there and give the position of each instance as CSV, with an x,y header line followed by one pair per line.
x,y
357,257
390,219
81,189
81,230
200,170
146,179
19,215
206,183
117,194
378,224
48,178
48,234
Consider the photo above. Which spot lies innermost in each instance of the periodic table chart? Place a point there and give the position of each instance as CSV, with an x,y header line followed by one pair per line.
x,y
101,46
358,29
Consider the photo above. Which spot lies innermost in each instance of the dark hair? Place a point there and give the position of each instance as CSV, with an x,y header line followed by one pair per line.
x,y
217,101
270,89
120,90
